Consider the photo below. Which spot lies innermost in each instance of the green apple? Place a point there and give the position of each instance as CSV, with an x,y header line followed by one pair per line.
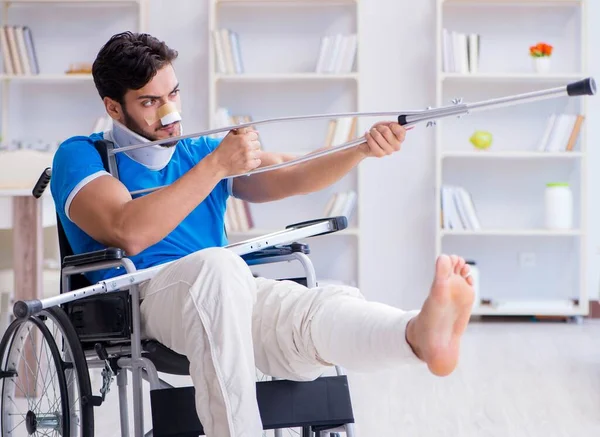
x,y
481,139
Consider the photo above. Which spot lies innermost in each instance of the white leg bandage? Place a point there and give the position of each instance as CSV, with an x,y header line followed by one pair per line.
x,y
298,331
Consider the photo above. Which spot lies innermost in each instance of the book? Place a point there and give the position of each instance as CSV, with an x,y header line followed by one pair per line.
x,y
561,132
458,209
341,204
238,216
337,53
18,51
461,52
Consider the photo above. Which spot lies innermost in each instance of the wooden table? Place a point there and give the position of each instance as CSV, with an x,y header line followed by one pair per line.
x,y
27,258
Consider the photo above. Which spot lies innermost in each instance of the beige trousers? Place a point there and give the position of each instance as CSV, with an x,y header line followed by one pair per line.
x,y
209,307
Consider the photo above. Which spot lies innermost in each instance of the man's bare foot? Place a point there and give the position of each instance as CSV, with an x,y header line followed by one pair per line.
x,y
435,333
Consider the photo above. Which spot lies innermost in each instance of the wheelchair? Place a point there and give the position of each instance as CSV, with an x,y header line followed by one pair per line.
x,y
50,346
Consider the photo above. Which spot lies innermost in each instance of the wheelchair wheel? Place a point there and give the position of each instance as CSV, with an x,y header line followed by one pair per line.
x,y
45,384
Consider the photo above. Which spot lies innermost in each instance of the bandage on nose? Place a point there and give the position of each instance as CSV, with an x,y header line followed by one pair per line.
x,y
167,114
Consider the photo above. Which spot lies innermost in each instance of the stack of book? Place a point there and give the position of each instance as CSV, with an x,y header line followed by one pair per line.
x,y
340,130
18,51
461,52
341,204
238,217
458,210
228,56
337,53
561,133
224,118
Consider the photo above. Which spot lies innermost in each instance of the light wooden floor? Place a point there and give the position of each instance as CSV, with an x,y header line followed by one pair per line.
x,y
514,380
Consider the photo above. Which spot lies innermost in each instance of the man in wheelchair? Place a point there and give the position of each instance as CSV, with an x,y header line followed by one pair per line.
x,y
206,304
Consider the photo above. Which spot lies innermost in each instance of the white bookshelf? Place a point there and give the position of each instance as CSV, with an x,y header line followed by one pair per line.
x,y
279,45
53,105
525,269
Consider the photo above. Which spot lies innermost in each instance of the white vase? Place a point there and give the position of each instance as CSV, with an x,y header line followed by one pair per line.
x,y
541,64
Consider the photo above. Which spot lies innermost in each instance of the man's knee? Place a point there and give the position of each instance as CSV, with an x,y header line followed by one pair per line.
x,y
215,262
221,270
205,272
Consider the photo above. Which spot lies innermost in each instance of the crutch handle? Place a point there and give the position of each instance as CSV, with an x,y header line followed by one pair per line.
x,y
24,309
584,87
42,183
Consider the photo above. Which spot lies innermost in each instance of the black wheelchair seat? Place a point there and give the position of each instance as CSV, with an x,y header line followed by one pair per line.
x,y
165,359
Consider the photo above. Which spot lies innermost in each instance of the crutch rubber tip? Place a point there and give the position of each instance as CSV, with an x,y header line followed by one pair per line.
x,y
25,309
584,87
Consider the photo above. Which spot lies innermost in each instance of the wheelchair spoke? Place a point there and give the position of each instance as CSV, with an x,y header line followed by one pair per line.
x,y
22,421
25,392
44,380
45,390
47,384
33,349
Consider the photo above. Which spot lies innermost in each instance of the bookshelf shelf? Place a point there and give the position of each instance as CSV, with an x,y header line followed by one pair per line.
x,y
526,308
512,3
493,212
510,77
512,233
51,2
285,77
272,3
47,78
511,155
306,70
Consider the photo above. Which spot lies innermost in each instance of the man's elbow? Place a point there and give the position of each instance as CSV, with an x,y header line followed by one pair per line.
x,y
132,242
132,248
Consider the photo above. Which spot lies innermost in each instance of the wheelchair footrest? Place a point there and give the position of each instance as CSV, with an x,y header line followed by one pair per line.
x,y
324,402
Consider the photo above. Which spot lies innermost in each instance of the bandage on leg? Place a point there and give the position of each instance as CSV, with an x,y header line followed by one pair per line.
x,y
167,114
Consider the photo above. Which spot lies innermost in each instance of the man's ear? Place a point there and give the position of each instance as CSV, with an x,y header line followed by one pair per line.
x,y
113,108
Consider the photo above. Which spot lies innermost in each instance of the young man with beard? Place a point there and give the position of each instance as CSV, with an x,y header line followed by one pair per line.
x,y
207,305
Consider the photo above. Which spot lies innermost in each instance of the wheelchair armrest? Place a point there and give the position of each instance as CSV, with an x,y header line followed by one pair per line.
x,y
271,252
109,254
339,223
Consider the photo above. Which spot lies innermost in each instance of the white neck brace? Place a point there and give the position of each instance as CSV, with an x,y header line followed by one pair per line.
x,y
153,157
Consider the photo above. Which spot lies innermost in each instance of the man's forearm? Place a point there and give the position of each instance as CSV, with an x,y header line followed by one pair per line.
x,y
303,178
320,173
146,220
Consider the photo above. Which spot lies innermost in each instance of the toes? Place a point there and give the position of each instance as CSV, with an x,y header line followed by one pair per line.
x,y
454,259
444,266
464,271
457,263
460,265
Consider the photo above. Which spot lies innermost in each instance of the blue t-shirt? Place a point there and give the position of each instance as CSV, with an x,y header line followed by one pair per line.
x,y
77,162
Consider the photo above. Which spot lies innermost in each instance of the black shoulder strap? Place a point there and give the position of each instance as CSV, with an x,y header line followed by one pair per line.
x,y
104,147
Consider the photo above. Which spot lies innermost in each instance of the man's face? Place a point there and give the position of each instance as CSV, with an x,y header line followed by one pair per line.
x,y
143,104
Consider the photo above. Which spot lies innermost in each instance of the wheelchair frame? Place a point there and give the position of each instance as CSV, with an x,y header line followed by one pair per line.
x,y
319,407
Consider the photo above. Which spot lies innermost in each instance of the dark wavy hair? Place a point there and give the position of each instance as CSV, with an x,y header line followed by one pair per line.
x,y
128,61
